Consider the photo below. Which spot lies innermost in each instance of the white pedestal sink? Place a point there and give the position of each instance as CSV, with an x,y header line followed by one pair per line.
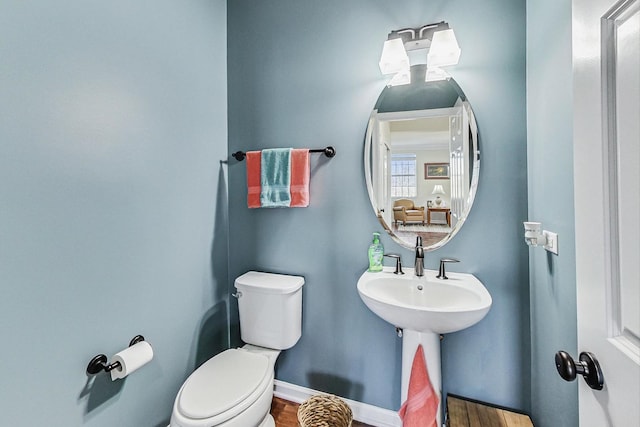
x,y
424,307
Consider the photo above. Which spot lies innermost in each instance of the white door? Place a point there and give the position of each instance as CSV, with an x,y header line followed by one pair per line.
x,y
606,71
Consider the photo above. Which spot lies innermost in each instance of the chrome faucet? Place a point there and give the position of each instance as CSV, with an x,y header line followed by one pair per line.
x,y
419,264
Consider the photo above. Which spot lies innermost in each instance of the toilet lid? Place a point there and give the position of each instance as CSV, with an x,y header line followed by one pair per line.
x,y
222,383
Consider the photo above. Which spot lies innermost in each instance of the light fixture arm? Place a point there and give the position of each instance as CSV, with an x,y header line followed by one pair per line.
x,y
440,25
409,31
418,38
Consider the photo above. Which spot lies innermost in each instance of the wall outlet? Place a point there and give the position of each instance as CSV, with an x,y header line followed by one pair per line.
x,y
552,241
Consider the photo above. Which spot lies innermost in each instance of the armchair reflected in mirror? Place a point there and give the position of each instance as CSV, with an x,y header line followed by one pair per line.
x,y
405,211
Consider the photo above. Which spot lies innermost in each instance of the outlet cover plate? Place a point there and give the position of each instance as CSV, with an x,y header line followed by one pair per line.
x,y
552,241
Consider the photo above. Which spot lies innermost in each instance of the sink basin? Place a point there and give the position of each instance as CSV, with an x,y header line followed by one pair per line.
x,y
425,304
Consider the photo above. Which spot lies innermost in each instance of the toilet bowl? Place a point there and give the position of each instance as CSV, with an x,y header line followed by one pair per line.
x,y
235,387
232,389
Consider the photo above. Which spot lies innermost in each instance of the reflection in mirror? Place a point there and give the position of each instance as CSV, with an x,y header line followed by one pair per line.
x,y
422,161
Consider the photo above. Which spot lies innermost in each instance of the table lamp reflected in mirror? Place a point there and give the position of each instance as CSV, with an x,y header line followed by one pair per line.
x,y
437,190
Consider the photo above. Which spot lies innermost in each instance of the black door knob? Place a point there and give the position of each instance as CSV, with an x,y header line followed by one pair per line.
x,y
587,366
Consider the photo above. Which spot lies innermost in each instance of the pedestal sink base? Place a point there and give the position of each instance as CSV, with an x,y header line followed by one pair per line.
x,y
431,347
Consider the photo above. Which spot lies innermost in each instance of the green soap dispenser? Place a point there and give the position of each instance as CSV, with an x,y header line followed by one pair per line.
x,y
376,253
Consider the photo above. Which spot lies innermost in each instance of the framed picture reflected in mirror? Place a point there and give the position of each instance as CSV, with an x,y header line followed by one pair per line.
x,y
436,171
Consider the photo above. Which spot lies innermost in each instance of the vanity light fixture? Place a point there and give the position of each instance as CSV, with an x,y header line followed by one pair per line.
x,y
438,40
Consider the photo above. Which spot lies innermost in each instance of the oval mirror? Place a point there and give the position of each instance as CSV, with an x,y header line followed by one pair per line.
x,y
422,160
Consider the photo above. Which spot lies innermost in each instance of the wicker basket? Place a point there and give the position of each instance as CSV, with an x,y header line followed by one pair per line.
x,y
324,411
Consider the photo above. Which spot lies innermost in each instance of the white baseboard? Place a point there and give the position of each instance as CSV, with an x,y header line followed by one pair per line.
x,y
362,412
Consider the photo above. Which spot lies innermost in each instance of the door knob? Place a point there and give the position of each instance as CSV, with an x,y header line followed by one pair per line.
x,y
587,366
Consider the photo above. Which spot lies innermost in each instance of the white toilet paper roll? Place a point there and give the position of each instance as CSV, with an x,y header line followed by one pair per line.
x,y
131,359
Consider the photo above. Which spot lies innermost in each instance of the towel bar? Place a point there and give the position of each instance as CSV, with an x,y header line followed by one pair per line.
x,y
327,151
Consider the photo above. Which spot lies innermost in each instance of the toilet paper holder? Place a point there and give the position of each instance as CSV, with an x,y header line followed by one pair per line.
x,y
99,362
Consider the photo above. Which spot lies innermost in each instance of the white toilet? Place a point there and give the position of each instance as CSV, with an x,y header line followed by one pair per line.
x,y
235,388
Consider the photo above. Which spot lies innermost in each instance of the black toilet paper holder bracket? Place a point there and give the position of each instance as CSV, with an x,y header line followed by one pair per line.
x,y
99,362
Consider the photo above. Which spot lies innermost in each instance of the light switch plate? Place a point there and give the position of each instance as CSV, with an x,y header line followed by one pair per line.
x,y
552,241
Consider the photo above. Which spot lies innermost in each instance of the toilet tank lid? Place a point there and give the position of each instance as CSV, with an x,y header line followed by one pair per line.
x,y
269,282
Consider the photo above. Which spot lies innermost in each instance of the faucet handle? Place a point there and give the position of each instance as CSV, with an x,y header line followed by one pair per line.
x,y
441,273
418,241
398,263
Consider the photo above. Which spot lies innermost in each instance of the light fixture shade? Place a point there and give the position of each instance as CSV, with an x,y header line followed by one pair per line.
x,y
403,77
394,57
444,49
436,73
438,189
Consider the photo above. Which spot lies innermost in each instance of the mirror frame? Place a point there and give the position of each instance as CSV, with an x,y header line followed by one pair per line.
x,y
475,174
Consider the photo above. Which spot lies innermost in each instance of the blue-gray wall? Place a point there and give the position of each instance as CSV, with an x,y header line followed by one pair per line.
x,y
305,74
554,402
113,204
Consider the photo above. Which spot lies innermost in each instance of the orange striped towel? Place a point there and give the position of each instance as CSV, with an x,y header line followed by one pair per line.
x,y
299,178
253,178
421,406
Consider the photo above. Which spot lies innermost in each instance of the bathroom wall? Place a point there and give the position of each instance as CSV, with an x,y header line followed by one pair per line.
x,y
550,169
113,204
305,74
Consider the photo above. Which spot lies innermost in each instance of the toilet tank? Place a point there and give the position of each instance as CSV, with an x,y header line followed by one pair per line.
x,y
270,308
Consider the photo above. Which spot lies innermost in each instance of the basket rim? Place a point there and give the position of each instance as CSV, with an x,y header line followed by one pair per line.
x,y
324,408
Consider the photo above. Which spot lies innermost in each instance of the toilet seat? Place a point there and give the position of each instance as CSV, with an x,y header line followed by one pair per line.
x,y
224,386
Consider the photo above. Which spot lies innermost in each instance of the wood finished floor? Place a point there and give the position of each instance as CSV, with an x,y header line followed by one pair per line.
x,y
285,414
